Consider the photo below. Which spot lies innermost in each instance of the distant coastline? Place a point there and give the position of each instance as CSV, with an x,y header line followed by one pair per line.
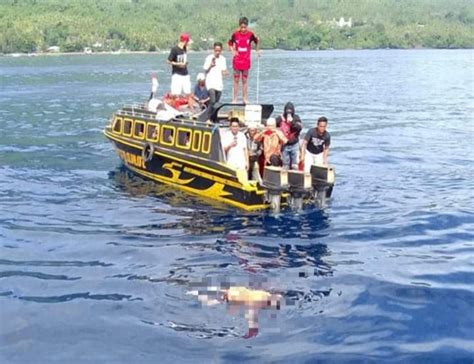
x,y
90,26
124,52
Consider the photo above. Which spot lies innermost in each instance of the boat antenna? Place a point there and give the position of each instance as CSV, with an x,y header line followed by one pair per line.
x,y
258,77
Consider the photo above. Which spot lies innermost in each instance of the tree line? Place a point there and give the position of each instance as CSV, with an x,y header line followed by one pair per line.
x,y
153,25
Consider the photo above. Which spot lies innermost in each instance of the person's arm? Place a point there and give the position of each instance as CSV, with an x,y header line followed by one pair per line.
x,y
227,147
281,136
303,149
171,57
325,155
327,143
207,64
194,94
257,44
297,125
258,137
224,69
231,45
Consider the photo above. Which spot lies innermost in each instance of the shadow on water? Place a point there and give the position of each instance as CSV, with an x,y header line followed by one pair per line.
x,y
207,217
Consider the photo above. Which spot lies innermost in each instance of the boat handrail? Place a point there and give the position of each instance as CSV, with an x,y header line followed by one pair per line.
x,y
130,110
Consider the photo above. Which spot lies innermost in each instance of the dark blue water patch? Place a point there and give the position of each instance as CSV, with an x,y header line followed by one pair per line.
x,y
452,277
420,226
39,275
35,263
75,296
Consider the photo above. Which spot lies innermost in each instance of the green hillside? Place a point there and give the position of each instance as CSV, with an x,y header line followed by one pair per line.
x,y
108,25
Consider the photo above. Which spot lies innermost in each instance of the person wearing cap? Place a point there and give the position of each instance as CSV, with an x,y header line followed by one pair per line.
x,y
240,44
201,95
178,59
215,67
272,139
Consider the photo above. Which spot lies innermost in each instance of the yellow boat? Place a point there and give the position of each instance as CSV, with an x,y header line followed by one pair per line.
x,y
186,152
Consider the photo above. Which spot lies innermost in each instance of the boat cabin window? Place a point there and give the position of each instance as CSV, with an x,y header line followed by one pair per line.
x,y
139,130
184,138
197,137
167,135
152,132
206,143
127,127
117,125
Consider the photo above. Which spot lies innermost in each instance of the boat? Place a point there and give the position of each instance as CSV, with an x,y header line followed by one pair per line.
x,y
183,148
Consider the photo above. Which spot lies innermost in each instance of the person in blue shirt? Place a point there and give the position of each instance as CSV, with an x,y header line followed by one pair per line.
x,y
201,95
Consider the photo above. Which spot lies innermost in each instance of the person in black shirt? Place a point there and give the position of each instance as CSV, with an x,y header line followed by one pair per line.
x,y
315,147
178,59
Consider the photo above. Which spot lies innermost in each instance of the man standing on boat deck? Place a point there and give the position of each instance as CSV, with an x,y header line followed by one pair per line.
x,y
235,146
315,147
290,124
216,67
240,45
180,79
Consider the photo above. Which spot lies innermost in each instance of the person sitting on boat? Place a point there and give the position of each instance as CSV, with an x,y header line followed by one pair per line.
x,y
272,140
290,124
254,149
178,59
201,94
215,67
235,146
315,147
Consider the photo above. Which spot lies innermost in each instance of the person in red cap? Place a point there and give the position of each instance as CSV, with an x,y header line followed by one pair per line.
x,y
178,59
240,45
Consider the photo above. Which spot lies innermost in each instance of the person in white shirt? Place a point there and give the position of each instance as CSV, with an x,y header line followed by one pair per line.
x,y
235,147
215,67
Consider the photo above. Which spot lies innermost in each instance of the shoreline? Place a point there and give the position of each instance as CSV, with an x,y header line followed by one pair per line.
x,y
108,53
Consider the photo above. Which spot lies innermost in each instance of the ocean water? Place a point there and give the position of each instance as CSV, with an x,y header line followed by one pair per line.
x,y
96,264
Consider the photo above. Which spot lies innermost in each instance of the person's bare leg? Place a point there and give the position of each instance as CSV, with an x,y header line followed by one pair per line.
x,y
235,90
244,90
192,103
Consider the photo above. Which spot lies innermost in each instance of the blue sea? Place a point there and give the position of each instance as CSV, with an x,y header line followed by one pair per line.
x,y
96,264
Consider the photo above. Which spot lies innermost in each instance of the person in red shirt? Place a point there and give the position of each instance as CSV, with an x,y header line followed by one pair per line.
x,y
240,45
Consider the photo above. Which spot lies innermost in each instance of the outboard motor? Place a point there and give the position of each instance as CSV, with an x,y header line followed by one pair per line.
x,y
275,180
300,187
322,179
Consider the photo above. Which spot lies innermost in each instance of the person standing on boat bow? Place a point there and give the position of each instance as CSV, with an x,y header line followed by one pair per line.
x,y
240,45
180,79
290,124
315,147
235,147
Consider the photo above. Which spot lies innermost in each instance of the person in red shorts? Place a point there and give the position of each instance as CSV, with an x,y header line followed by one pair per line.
x,y
240,45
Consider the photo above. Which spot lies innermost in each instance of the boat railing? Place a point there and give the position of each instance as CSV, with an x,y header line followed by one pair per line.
x,y
139,110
